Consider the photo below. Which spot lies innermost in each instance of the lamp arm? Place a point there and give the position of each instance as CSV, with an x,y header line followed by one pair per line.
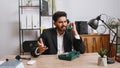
x,y
108,53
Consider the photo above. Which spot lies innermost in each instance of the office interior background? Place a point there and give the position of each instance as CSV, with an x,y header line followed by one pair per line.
x,y
77,10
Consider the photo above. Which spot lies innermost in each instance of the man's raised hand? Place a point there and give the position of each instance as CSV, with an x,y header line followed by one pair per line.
x,y
41,46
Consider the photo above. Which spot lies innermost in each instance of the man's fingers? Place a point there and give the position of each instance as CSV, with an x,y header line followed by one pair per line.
x,y
41,41
42,49
40,44
45,48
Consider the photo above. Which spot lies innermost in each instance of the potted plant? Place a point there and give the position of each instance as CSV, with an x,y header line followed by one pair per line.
x,y
29,3
102,60
112,23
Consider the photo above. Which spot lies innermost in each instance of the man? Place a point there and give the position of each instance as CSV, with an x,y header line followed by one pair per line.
x,y
59,39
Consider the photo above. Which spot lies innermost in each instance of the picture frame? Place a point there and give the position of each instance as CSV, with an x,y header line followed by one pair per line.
x,y
46,7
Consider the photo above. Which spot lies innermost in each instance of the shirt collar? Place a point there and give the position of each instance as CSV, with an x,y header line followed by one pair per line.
x,y
59,34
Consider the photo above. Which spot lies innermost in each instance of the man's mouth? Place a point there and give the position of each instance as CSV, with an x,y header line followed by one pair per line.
x,y
63,28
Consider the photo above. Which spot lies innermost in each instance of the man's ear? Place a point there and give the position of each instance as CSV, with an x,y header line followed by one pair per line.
x,y
68,21
54,23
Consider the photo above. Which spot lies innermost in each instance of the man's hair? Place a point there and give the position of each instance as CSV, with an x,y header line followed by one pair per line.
x,y
58,14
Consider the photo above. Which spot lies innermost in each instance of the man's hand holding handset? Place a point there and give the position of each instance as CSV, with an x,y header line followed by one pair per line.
x,y
74,30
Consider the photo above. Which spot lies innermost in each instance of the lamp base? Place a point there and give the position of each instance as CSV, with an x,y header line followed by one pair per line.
x,y
110,60
117,58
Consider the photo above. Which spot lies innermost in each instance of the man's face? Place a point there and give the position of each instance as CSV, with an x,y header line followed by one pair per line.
x,y
61,23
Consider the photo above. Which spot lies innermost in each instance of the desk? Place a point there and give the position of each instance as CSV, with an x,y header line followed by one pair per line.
x,y
87,60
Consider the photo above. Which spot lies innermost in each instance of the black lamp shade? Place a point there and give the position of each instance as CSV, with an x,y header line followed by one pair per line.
x,y
93,23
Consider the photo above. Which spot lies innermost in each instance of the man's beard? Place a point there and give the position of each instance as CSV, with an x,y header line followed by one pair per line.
x,y
62,28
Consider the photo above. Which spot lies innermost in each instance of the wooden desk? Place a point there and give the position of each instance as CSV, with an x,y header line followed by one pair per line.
x,y
87,60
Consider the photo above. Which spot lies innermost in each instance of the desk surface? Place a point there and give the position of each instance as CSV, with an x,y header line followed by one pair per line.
x,y
87,60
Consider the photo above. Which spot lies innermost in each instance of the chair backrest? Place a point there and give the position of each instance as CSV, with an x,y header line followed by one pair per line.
x,y
27,45
82,27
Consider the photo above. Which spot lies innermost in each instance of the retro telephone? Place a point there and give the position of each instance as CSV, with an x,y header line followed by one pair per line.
x,y
69,55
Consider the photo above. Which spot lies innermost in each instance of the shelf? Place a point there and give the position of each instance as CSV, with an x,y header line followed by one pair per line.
x,y
33,16
24,7
29,21
31,29
47,16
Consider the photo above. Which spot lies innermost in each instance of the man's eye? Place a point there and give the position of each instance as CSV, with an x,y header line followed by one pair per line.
x,y
60,22
65,21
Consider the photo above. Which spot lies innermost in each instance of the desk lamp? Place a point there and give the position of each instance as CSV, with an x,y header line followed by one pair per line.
x,y
94,24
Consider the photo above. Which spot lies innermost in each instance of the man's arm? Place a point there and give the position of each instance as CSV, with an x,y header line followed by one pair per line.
x,y
77,41
79,45
36,51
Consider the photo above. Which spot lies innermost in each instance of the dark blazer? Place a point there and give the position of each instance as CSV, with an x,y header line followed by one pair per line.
x,y
49,37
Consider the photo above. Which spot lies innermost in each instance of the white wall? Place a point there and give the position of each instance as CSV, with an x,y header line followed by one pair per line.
x,y
87,9
9,34
76,9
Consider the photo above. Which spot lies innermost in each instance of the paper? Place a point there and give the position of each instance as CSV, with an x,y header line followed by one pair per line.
x,y
23,21
35,21
29,21
46,22
1,62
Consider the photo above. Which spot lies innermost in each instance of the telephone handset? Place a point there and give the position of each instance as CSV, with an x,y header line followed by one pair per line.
x,y
69,27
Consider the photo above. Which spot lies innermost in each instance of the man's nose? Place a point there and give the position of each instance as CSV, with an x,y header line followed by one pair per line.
x,y
64,23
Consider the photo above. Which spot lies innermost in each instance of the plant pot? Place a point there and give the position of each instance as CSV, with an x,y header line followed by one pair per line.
x,y
102,61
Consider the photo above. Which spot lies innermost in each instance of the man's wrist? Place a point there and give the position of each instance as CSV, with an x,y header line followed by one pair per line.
x,y
77,36
37,51
75,32
34,52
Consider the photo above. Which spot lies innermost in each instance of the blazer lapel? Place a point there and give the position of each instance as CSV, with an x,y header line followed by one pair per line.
x,y
54,38
65,42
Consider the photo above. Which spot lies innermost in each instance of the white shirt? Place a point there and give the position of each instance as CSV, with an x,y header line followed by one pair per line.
x,y
60,45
